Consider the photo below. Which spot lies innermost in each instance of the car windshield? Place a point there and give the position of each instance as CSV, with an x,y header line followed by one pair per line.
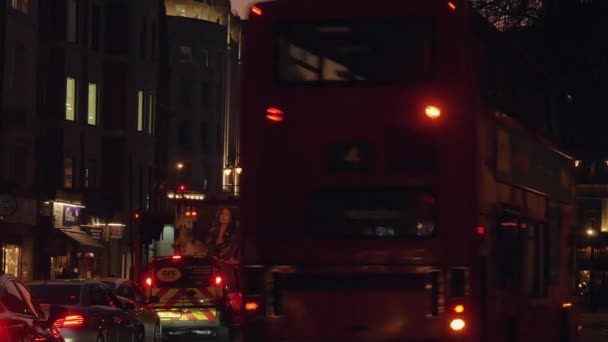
x,y
68,294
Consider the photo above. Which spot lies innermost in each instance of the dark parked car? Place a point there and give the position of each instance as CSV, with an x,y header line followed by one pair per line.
x,y
130,291
22,318
95,314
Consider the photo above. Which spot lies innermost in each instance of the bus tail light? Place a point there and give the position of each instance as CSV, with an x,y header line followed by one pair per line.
x,y
256,10
457,324
459,308
432,112
275,114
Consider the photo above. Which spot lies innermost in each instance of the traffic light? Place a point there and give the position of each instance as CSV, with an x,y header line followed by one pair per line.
x,y
137,216
182,187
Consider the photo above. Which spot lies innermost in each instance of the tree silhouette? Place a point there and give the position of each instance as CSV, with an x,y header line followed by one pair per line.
x,y
510,14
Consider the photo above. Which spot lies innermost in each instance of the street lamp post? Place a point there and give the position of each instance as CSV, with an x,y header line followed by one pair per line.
x,y
591,234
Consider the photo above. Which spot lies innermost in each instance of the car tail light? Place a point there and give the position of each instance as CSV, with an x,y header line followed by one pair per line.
x,y
176,257
71,321
275,114
218,280
149,281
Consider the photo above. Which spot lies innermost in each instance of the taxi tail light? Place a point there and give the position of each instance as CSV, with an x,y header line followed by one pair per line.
x,y
70,321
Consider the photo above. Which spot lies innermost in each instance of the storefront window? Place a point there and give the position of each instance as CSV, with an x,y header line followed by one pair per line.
x,y
11,256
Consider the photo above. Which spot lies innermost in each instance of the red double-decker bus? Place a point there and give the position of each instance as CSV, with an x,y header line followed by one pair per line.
x,y
400,178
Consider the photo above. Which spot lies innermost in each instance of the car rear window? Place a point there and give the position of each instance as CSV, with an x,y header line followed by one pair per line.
x,y
68,294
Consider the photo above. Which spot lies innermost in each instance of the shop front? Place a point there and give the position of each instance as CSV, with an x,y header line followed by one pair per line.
x,y
74,253
17,235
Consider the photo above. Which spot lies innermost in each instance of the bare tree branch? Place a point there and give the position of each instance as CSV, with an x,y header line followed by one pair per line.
x,y
510,14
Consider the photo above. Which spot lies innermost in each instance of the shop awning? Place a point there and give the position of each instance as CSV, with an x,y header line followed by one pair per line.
x,y
81,237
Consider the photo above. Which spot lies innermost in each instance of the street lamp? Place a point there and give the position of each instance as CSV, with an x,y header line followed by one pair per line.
x,y
179,165
591,232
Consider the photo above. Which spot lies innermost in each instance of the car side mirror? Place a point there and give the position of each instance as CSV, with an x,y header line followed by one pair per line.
x,y
57,312
153,300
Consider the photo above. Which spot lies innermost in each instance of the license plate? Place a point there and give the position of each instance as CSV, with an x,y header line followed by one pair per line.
x,y
169,314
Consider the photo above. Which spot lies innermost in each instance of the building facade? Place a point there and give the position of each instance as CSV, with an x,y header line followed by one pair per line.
x,y
18,114
202,142
97,73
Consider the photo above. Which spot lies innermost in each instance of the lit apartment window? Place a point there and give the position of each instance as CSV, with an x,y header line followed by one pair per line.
x,y
70,99
184,54
151,114
140,110
92,105
68,173
180,10
71,23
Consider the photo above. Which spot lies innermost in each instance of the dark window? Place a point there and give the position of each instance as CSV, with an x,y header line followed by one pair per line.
x,y
95,23
72,21
372,213
205,94
90,174
184,136
20,161
204,58
68,172
185,92
116,26
184,54
204,133
153,45
11,299
143,38
356,51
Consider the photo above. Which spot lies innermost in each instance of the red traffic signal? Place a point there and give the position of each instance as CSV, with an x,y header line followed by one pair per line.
x,y
182,187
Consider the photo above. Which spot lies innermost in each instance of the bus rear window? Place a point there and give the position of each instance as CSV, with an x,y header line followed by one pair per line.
x,y
391,50
372,213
